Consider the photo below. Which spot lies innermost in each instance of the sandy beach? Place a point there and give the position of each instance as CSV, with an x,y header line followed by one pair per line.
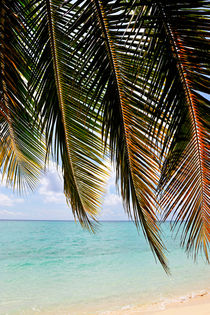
x,y
199,305
192,305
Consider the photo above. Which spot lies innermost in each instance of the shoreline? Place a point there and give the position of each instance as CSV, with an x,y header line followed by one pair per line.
x,y
191,304
197,305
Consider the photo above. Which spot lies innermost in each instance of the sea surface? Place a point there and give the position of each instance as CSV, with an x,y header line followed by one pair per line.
x,y
54,267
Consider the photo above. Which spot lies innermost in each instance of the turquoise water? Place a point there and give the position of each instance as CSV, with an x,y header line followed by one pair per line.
x,y
57,268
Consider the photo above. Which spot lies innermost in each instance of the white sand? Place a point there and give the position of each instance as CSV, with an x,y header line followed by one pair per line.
x,y
198,305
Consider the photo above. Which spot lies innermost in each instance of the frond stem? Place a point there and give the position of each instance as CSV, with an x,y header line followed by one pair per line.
x,y
184,79
4,86
102,19
113,59
59,87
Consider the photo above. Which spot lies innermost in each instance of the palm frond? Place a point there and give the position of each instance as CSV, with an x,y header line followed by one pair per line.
x,y
68,121
106,59
175,70
21,147
187,27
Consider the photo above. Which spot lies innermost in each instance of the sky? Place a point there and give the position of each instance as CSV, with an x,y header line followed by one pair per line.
x,y
48,202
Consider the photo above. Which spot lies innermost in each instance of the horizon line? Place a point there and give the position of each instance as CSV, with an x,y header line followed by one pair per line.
x,y
70,220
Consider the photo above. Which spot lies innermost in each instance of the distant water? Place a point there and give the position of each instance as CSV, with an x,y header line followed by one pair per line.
x,y
57,268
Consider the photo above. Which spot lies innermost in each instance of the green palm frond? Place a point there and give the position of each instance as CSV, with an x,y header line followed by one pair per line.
x,y
68,120
127,56
106,61
175,70
21,147
186,170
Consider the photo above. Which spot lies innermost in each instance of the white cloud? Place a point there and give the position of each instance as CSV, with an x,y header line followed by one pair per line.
x,y
3,182
112,207
51,186
6,200
112,200
112,179
10,213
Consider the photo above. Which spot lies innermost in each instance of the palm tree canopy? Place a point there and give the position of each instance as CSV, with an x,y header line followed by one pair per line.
x,y
124,79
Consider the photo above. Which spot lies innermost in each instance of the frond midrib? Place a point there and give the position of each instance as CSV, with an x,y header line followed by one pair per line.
x,y
113,60
19,156
184,80
60,90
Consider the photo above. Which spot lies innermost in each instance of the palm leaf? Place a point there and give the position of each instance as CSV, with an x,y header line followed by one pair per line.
x,y
175,70
21,147
187,27
149,100
106,60
68,122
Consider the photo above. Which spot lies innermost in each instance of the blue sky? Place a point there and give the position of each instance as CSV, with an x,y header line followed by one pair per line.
x,y
47,202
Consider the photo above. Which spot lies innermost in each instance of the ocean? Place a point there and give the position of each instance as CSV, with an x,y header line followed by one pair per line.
x,y
55,267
